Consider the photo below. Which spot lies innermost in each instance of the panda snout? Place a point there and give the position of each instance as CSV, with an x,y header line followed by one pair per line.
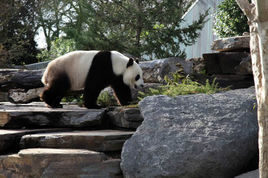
x,y
140,86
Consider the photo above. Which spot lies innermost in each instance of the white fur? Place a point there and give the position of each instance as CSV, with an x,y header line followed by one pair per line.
x,y
119,62
76,65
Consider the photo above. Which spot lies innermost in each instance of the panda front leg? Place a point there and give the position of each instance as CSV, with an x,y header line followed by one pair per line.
x,y
122,92
52,97
90,97
55,90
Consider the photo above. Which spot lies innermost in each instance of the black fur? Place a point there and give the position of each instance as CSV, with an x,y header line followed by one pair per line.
x,y
101,75
130,62
58,87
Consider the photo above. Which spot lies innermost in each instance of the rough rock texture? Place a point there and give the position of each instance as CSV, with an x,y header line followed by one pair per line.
x,y
58,163
28,116
10,139
155,71
101,140
252,174
18,78
23,96
233,81
237,43
4,96
244,67
129,118
224,63
193,136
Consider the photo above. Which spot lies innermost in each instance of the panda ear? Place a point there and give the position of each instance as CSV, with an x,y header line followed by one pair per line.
x,y
130,62
137,61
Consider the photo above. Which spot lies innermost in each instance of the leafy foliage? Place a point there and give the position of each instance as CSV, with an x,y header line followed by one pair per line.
x,y
136,27
17,31
180,85
59,47
105,99
230,20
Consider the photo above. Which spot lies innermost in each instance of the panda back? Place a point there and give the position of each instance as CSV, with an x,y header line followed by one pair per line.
x,y
77,66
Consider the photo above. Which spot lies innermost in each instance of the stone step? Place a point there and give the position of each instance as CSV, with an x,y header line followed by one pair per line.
x,y
129,118
100,140
36,115
59,163
10,139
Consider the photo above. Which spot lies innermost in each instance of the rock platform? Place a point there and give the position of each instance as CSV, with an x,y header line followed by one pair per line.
x,y
36,141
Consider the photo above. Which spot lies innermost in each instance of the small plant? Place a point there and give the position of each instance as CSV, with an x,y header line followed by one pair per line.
x,y
105,99
179,85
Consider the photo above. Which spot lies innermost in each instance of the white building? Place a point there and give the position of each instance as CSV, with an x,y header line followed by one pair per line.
x,y
204,41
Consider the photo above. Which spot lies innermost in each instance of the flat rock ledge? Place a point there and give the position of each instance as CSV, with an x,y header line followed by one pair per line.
x,y
10,139
38,115
238,43
99,140
58,163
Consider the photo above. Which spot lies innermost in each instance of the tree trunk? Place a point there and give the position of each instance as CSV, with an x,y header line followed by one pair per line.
x,y
257,14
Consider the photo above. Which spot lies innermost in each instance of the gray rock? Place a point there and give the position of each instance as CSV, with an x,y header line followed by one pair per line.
x,y
252,174
101,140
38,115
155,71
10,139
224,63
231,44
245,66
37,66
23,96
193,136
129,118
4,96
48,163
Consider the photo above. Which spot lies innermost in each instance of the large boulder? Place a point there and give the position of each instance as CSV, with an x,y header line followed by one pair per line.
x,y
194,136
154,71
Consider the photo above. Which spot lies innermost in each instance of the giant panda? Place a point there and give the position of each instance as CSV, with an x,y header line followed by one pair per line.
x,y
91,71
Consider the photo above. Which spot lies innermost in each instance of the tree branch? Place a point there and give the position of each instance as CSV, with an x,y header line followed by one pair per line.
x,y
248,9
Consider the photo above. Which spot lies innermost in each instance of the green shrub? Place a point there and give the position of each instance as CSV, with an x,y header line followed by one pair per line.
x,y
58,47
229,20
105,99
180,85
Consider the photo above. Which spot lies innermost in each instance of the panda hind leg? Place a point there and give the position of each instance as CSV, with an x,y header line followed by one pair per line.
x,y
53,94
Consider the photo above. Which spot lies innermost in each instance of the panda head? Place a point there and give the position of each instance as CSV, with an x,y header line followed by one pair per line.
x,y
133,76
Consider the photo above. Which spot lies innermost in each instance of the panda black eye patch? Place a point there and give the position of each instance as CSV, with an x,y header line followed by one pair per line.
x,y
137,77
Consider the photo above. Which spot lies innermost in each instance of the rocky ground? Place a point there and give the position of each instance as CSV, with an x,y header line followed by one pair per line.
x,y
186,136
75,142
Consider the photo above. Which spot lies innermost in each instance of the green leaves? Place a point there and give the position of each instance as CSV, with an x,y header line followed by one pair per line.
x,y
180,85
230,20
137,27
